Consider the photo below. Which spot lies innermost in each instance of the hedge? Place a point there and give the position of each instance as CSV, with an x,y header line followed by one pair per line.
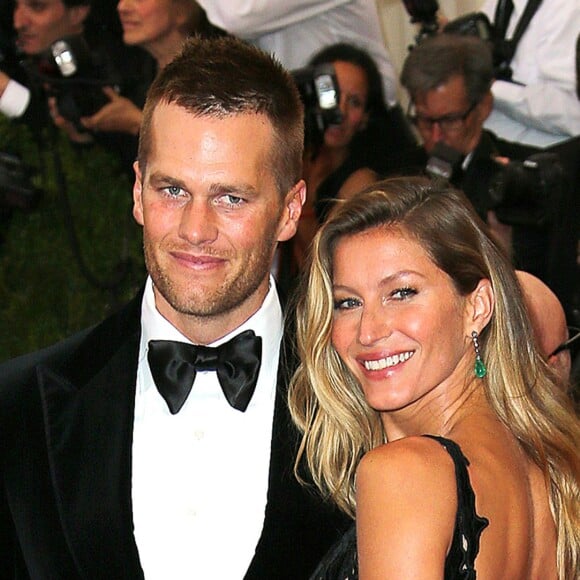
x,y
44,293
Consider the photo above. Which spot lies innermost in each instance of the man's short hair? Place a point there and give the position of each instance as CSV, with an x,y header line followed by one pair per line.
x,y
220,77
439,58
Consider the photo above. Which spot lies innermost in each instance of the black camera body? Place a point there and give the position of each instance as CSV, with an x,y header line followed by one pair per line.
x,y
423,12
318,87
521,193
524,193
75,76
16,187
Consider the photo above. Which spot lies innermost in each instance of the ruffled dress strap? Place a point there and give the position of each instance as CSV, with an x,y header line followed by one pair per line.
x,y
460,561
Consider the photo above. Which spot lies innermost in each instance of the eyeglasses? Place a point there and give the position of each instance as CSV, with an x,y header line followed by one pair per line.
x,y
567,344
447,123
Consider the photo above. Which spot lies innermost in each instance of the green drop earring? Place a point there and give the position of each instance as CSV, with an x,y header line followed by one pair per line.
x,y
480,370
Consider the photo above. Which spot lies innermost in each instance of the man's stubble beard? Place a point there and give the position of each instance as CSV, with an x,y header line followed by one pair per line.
x,y
227,297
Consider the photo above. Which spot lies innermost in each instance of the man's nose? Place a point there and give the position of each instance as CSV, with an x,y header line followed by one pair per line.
x,y
19,17
198,223
436,132
123,5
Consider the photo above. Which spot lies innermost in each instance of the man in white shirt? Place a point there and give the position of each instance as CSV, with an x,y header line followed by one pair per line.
x,y
294,30
159,444
540,107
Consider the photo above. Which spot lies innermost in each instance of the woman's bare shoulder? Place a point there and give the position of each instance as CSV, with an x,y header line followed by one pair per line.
x,y
417,456
415,473
406,504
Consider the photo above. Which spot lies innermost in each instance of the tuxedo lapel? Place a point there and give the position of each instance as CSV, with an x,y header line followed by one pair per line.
x,y
299,527
88,416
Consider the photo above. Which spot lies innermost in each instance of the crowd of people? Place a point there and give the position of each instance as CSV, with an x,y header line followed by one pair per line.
x,y
352,355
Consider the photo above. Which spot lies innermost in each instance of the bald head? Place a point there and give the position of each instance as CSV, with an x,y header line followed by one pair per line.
x,y
548,320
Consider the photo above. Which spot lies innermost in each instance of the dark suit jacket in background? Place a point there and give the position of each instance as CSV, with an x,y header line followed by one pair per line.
x,y
66,425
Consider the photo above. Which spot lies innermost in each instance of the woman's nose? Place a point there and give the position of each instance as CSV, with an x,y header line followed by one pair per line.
x,y
373,325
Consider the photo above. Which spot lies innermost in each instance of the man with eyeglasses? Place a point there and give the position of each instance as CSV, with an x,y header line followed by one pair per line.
x,y
449,78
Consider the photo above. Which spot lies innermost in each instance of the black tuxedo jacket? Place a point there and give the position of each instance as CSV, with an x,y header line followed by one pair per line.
x,y
66,423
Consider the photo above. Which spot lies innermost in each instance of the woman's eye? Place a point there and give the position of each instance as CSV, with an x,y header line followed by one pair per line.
x,y
403,293
356,102
346,303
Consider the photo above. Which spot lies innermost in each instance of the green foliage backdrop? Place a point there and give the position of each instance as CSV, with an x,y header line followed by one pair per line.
x,y
44,295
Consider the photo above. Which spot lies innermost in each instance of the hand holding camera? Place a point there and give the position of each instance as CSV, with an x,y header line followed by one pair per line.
x,y
119,114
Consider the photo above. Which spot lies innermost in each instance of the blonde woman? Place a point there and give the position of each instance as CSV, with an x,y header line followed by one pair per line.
x,y
420,376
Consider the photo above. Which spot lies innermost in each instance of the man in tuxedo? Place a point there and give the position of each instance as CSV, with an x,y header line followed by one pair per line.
x,y
128,452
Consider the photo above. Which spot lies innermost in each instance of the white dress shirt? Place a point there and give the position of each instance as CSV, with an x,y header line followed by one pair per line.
x,y
294,30
544,109
200,477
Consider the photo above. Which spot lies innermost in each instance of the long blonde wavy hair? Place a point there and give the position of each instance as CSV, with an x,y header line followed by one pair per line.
x,y
328,405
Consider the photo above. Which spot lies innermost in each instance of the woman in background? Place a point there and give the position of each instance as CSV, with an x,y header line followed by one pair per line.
x,y
353,153
160,27
420,375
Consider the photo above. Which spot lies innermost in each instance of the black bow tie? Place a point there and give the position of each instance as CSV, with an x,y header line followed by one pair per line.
x,y
237,363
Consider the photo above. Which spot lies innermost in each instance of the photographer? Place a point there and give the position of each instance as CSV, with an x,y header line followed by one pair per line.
x,y
159,27
347,145
37,26
449,78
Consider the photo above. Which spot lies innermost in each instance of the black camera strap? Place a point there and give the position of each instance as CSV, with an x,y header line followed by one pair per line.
x,y
503,12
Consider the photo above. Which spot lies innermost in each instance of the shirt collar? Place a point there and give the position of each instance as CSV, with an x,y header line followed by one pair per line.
x,y
265,322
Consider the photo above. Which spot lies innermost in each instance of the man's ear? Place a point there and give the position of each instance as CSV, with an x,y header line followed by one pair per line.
x,y
479,308
138,194
293,203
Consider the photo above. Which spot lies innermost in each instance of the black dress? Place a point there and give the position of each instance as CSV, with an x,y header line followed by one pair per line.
x,y
340,563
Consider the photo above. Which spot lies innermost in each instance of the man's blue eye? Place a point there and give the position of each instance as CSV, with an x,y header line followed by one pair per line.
x,y
173,190
233,200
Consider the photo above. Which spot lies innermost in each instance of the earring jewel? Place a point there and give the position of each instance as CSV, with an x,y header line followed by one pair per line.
x,y
480,370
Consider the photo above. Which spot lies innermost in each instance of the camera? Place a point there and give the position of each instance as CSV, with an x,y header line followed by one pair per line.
x,y
523,193
318,87
423,12
16,188
75,76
